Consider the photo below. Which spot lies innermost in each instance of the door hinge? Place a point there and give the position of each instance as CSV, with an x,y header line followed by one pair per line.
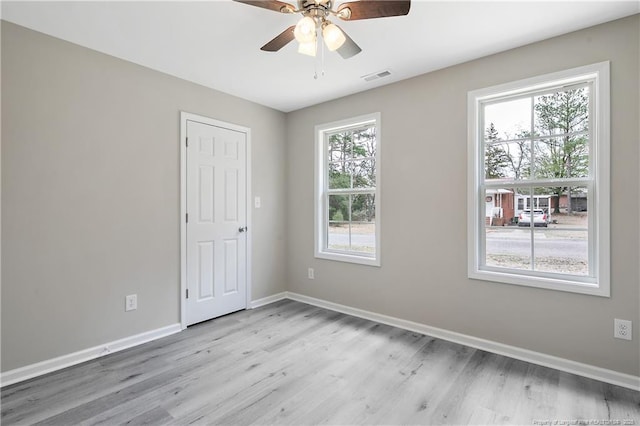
x,y
186,217
187,141
187,293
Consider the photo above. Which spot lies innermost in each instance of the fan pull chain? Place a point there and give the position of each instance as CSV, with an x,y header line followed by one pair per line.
x,y
315,68
322,58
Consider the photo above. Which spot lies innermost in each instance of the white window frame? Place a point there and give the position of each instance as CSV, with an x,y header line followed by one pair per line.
x,y
321,191
598,283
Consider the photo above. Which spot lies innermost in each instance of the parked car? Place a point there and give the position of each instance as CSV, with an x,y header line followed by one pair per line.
x,y
540,218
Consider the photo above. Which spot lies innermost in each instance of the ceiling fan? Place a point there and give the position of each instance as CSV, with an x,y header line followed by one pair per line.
x,y
315,20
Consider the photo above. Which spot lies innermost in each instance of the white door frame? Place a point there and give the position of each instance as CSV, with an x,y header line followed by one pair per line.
x,y
184,117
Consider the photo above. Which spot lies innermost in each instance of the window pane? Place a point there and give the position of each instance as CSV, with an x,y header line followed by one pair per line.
x,y
338,236
339,146
363,229
364,173
562,157
336,155
560,239
354,230
508,247
339,176
561,251
499,206
338,232
364,143
363,208
507,120
562,112
339,208
523,201
363,237
507,160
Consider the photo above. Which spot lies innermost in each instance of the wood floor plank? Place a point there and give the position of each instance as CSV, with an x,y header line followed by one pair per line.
x,y
289,363
278,371
329,374
155,416
427,377
540,393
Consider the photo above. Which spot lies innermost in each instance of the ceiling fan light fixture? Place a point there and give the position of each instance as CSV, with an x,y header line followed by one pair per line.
x,y
308,48
314,18
333,37
305,31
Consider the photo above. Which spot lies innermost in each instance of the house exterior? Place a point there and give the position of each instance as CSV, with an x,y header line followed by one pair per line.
x,y
539,202
503,205
578,203
499,206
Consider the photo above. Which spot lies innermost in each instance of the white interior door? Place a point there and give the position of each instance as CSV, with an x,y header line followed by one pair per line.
x,y
216,243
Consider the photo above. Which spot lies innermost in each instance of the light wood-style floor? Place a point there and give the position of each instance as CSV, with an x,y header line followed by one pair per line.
x,y
291,363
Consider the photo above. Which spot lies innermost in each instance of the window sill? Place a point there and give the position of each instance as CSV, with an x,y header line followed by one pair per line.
x,y
557,284
348,258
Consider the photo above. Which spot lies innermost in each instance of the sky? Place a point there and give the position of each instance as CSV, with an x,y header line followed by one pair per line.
x,y
509,117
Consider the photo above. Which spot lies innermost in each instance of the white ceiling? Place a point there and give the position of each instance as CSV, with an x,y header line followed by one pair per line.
x,y
216,43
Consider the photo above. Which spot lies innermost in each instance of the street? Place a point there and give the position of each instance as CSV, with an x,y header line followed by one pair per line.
x,y
520,245
512,242
357,240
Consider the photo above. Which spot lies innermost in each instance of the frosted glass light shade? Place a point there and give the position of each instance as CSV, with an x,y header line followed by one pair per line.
x,y
305,30
333,37
308,48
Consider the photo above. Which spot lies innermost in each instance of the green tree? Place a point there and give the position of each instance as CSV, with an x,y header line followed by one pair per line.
x,y
364,173
352,164
563,119
506,159
340,146
519,155
496,158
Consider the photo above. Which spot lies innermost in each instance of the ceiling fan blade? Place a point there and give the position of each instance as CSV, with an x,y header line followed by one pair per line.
x,y
368,9
274,5
280,40
349,48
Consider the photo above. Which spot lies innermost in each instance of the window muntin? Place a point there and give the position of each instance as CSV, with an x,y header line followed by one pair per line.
x,y
541,145
347,190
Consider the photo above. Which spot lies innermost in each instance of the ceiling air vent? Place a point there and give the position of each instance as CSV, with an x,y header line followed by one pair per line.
x,y
376,75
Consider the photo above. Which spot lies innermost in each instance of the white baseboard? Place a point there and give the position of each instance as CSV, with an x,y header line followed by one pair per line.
x,y
64,361
586,370
267,300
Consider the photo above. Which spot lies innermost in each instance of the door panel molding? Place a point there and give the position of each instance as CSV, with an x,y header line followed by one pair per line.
x,y
229,151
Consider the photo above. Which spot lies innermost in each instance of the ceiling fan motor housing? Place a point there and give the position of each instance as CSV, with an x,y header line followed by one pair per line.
x,y
319,9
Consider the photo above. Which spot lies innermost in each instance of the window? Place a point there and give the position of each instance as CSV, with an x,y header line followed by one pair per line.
x,y
538,187
347,210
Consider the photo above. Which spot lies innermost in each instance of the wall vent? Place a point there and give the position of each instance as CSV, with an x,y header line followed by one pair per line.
x,y
376,75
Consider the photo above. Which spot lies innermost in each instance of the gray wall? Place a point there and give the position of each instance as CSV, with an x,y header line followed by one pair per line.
x,y
90,195
423,277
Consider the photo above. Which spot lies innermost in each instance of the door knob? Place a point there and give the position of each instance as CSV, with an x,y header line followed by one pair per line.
x,y
242,229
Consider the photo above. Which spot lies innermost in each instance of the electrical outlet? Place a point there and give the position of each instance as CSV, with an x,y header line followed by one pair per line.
x,y
310,274
622,329
131,302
